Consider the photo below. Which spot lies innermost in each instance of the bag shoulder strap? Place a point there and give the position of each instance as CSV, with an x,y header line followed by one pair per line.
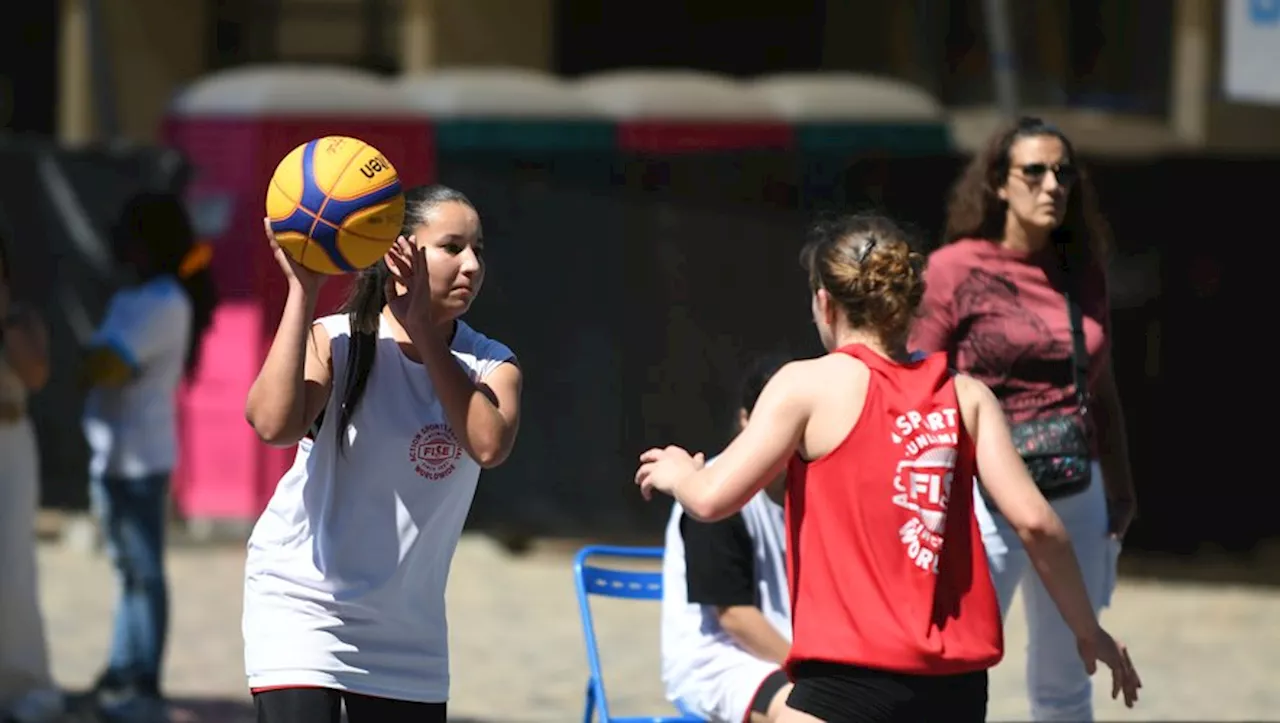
x,y
1079,351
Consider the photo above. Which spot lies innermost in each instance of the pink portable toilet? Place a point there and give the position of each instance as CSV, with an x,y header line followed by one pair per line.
x,y
234,127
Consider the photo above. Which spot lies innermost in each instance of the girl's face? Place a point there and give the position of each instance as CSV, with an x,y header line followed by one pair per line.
x,y
454,246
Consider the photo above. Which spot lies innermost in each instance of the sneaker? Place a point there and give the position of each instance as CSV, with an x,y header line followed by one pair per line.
x,y
137,708
38,706
109,681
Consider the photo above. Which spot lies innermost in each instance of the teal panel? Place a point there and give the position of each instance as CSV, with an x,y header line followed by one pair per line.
x,y
522,135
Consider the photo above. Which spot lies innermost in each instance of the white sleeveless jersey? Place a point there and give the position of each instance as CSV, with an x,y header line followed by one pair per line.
x,y
702,665
346,569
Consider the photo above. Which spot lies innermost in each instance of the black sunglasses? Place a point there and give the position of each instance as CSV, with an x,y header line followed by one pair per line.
x,y
1064,172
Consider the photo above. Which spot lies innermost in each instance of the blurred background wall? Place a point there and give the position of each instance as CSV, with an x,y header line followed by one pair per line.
x,y
1125,60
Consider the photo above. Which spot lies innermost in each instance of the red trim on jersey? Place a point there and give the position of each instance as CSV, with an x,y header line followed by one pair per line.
x,y
746,715
269,688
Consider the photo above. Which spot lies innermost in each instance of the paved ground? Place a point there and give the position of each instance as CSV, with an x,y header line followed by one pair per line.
x,y
1207,652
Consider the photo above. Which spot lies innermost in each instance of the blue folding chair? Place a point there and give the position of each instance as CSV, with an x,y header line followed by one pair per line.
x,y
626,584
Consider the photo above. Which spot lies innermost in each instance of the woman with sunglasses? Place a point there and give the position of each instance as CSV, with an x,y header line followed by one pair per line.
x,y
1017,297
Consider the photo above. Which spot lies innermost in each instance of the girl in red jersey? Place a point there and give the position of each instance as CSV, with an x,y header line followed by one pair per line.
x,y
894,613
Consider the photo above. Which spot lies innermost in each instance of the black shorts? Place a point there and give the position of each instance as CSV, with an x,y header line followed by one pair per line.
x,y
839,693
323,705
769,687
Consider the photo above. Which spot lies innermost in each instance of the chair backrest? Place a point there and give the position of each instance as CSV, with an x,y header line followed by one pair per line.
x,y
628,584
594,580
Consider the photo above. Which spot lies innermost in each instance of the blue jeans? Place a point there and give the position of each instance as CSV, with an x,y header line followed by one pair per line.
x,y
133,514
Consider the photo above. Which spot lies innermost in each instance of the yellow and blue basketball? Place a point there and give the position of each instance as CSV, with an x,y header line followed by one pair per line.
x,y
335,204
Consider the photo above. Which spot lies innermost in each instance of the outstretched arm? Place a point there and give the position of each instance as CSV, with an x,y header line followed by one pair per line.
x,y
748,464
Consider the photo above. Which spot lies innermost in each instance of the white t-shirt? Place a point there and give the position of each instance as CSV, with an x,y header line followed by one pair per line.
x,y
346,570
702,665
131,430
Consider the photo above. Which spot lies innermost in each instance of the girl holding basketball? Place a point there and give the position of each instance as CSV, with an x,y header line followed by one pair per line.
x,y
890,623
396,405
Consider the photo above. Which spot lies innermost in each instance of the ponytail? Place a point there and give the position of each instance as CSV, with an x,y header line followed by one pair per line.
x,y
364,312
157,223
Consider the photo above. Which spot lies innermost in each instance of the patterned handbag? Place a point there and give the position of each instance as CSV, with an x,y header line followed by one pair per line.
x,y
1056,449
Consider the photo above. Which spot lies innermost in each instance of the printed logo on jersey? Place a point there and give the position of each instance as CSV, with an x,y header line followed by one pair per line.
x,y
434,453
922,481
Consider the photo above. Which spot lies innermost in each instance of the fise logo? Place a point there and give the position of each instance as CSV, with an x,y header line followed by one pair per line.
x,y
924,486
434,453
922,482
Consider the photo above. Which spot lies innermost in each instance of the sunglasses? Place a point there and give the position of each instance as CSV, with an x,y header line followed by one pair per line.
x,y
1065,173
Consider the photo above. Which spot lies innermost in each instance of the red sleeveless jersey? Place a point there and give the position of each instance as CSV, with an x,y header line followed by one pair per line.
x,y
885,561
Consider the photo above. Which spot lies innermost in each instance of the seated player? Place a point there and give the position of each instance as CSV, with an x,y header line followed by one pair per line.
x,y
726,612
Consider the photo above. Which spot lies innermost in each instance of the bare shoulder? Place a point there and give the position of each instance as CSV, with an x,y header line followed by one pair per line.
x,y
320,331
789,385
324,329
320,342
815,379
973,396
969,388
812,373
791,376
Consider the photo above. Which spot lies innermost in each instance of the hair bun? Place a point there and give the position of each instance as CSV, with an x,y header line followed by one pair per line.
x,y
869,266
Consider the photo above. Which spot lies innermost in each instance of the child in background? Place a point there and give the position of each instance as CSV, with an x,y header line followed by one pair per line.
x,y
148,340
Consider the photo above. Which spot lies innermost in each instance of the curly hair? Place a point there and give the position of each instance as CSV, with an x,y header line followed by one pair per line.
x,y
975,211
871,268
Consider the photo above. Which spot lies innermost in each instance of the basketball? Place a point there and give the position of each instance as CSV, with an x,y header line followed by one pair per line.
x,y
335,204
